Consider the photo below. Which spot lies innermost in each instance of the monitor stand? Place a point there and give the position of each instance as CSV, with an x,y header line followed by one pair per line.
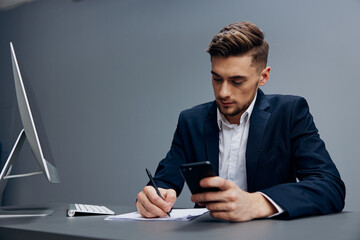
x,y
5,174
11,212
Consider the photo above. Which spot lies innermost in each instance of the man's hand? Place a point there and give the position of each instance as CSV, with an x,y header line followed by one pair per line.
x,y
231,203
150,205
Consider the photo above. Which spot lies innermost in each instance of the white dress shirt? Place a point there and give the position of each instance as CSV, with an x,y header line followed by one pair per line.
x,y
232,150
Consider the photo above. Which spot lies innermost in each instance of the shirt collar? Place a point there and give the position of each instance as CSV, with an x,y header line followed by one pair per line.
x,y
246,115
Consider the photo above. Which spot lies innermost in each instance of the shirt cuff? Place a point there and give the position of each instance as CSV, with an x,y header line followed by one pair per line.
x,y
278,208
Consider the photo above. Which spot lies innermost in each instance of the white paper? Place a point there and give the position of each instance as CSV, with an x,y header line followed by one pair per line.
x,y
175,215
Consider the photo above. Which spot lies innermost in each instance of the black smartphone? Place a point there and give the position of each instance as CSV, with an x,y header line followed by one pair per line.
x,y
194,172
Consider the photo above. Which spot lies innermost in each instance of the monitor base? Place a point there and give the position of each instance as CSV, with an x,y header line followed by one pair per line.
x,y
13,212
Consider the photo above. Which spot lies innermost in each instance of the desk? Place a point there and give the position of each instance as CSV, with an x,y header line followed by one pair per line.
x,y
345,226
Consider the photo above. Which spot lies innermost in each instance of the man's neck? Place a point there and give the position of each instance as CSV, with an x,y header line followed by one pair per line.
x,y
234,119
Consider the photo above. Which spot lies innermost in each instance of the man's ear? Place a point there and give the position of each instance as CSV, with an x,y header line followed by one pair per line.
x,y
265,74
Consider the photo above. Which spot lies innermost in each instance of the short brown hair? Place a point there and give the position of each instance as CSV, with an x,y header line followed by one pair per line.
x,y
239,39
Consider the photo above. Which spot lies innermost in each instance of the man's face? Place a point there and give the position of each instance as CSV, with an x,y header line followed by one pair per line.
x,y
235,81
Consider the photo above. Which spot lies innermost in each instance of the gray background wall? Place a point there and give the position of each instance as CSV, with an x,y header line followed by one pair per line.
x,y
110,78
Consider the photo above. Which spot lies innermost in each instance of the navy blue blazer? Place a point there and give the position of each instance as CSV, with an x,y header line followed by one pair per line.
x,y
283,146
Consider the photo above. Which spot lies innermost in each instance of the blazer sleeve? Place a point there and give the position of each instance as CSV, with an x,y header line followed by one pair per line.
x,y
167,174
319,189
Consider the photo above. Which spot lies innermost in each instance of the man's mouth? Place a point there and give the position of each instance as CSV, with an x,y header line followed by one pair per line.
x,y
226,103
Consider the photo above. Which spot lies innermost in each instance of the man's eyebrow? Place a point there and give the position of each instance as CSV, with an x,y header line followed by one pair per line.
x,y
232,77
214,73
238,77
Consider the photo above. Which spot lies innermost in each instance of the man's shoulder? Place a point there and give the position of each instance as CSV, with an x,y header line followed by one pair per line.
x,y
283,105
200,111
282,100
282,97
203,108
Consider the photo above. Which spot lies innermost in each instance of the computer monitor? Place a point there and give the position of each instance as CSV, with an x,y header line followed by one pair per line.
x,y
30,133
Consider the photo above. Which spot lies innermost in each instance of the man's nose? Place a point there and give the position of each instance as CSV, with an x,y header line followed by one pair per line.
x,y
224,90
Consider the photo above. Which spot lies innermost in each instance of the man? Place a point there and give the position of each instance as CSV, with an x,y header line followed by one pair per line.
x,y
266,149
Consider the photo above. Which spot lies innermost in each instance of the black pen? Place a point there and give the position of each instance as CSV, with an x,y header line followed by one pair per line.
x,y
154,185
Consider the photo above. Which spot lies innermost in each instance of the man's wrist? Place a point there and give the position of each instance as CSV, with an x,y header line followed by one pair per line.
x,y
262,206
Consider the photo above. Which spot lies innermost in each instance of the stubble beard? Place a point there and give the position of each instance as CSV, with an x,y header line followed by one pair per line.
x,y
232,112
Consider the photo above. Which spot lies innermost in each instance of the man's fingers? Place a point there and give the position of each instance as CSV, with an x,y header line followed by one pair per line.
x,y
155,199
228,191
207,197
221,206
216,182
226,211
210,182
146,208
143,212
150,202
169,195
229,216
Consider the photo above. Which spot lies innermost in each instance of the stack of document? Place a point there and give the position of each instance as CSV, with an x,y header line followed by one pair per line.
x,y
175,215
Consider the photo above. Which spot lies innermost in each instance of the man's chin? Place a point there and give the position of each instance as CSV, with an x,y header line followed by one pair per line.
x,y
228,112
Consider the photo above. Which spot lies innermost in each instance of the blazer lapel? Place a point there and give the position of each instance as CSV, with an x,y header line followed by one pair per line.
x,y
211,132
258,120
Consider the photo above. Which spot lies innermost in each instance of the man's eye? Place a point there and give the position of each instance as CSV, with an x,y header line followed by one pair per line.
x,y
237,83
217,79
